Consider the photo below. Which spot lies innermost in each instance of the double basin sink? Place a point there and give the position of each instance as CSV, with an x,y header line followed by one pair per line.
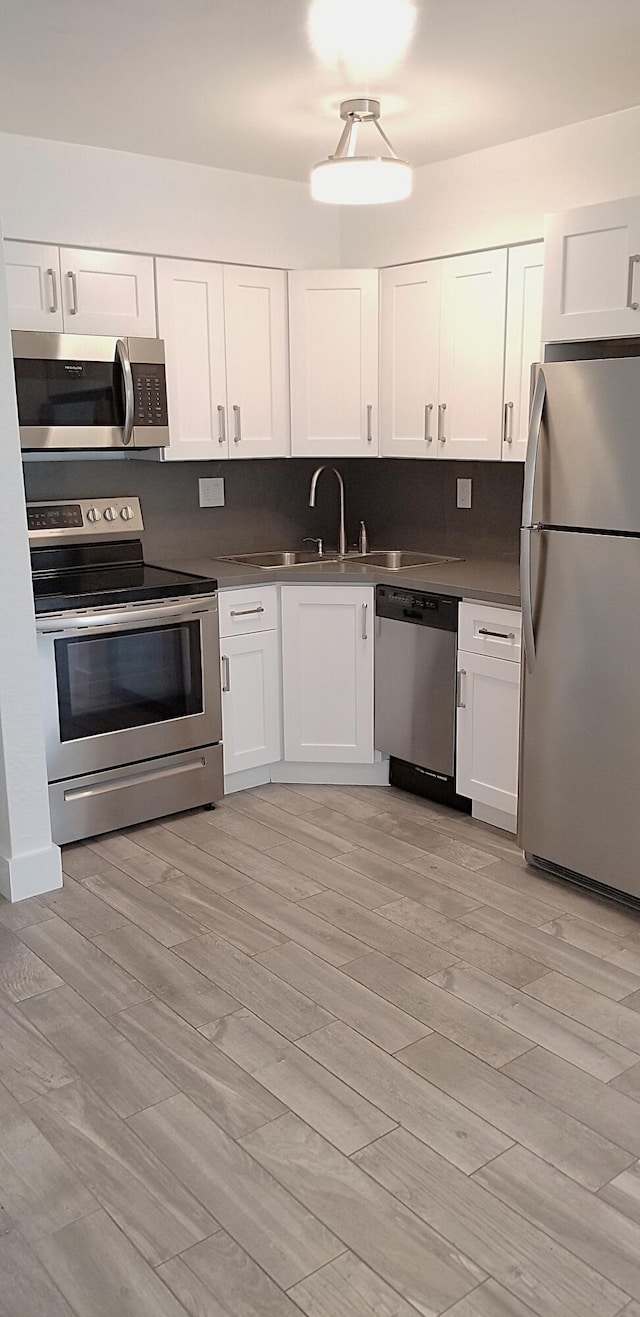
x,y
393,560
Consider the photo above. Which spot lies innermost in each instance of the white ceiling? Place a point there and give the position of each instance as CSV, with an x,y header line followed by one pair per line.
x,y
235,83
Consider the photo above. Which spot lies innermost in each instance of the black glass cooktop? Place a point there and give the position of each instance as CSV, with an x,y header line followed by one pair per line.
x,y
66,577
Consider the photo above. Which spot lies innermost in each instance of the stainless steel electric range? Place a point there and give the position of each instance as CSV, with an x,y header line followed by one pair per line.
x,y
130,671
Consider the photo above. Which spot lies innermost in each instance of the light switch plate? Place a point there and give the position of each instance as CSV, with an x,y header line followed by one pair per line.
x,y
211,492
463,489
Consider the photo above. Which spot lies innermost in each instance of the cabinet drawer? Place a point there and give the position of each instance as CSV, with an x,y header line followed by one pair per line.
x,y
485,629
250,609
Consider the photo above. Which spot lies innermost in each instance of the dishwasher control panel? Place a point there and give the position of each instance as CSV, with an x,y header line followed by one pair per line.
x,y
417,607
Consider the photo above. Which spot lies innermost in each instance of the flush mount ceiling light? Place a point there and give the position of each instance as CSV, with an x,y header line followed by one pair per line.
x,y
349,179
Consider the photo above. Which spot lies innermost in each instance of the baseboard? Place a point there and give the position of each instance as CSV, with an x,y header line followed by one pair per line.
x,y
352,775
248,777
30,874
498,818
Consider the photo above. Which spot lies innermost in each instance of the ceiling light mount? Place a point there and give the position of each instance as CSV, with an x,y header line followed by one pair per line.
x,y
347,178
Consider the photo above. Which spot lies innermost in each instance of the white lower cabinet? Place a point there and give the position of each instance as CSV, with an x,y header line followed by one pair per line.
x,y
250,662
327,661
488,719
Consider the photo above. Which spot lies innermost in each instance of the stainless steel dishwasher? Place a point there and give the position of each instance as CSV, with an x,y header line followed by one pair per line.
x,y
415,690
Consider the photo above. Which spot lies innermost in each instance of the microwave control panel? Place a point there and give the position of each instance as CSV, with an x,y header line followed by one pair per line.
x,y
150,394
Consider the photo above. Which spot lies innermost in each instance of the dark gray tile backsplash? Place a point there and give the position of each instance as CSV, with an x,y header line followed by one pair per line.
x,y
406,504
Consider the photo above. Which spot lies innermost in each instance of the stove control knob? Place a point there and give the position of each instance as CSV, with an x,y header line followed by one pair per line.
x,y
94,514
110,514
126,513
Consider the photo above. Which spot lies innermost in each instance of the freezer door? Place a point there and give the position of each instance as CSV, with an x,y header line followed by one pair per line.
x,y
579,799
588,460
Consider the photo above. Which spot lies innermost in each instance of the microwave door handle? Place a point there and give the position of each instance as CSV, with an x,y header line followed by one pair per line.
x,y
122,354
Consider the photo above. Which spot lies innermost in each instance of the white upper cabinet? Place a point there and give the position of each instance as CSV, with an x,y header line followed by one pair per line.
x,y
191,322
107,293
409,359
474,290
80,292
327,673
592,272
255,312
523,344
334,362
225,332
33,286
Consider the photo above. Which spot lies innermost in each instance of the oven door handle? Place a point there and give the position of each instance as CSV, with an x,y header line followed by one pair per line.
x,y
92,624
122,353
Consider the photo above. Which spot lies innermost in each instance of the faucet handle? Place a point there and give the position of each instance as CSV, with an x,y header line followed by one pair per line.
x,y
309,539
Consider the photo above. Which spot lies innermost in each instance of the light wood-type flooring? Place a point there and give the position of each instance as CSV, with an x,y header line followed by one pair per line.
x,y
323,1050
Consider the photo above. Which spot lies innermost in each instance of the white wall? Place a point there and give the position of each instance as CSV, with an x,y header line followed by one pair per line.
x,y
29,863
88,196
500,195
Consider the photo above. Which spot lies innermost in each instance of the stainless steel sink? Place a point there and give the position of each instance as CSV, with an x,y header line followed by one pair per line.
x,y
394,560
287,558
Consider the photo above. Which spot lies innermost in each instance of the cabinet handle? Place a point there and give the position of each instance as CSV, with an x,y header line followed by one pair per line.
x,y
369,429
460,704
508,422
226,678
633,306
222,424
428,408
364,621
245,612
238,428
54,291
442,438
500,635
73,309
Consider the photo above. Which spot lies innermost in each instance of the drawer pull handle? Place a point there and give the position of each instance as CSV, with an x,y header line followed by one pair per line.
x,y
508,422
237,436
54,291
369,429
442,438
460,704
222,417
73,308
499,635
226,676
245,612
364,621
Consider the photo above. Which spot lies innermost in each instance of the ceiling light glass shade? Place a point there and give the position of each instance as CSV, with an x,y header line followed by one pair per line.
x,y
349,179
361,180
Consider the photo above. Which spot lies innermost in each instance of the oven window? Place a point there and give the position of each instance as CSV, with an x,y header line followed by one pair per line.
x,y
69,392
128,679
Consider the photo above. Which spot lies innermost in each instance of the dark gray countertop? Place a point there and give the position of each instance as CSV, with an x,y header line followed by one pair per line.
x,y
495,580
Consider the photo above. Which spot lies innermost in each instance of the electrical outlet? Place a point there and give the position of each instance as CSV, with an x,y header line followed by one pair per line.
x,y
463,490
211,492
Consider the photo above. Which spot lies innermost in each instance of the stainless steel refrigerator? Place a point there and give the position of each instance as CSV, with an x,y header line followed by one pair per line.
x,y
579,792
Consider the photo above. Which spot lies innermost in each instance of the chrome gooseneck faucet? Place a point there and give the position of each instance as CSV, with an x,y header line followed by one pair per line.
x,y
342,547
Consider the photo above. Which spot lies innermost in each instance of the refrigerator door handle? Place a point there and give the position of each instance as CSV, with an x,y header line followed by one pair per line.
x,y
533,441
526,591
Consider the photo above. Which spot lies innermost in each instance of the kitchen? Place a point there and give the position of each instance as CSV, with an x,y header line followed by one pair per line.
x,y
490,977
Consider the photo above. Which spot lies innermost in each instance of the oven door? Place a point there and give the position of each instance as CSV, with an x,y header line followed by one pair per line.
x,y
128,685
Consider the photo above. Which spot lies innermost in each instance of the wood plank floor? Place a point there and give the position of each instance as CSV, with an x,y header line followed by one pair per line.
x,y
325,1050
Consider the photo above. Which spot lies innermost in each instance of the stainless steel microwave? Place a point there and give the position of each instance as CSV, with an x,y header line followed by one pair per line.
x,y
81,391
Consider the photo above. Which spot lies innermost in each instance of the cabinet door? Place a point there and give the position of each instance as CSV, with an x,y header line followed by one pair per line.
x,y
107,293
334,362
327,671
523,345
591,272
255,312
251,725
33,286
474,292
410,356
487,730
191,322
